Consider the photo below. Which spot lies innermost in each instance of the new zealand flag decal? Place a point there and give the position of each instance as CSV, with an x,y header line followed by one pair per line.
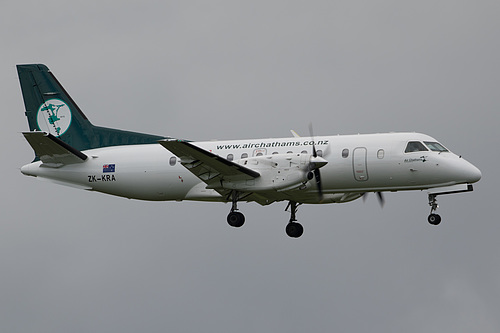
x,y
108,168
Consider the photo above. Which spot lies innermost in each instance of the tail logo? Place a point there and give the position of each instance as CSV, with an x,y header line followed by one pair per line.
x,y
54,116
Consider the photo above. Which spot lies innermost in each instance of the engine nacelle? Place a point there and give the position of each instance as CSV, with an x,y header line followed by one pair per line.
x,y
277,172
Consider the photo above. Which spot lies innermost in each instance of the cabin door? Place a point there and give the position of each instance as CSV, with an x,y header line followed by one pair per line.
x,y
359,164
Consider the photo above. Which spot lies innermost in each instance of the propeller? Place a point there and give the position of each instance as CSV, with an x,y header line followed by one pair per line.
x,y
315,163
380,197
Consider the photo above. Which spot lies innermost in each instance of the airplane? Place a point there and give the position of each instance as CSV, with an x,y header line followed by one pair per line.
x,y
70,150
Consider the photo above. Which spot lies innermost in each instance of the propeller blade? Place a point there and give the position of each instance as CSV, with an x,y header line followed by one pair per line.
x,y
317,175
315,154
315,163
381,199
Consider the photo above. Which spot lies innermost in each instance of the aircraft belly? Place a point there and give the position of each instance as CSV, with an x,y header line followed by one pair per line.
x,y
142,185
199,192
154,185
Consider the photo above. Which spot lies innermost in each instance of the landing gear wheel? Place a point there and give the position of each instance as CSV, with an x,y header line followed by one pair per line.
x,y
235,219
434,219
294,229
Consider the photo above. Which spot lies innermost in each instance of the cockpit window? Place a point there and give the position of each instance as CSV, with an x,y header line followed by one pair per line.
x,y
435,146
414,146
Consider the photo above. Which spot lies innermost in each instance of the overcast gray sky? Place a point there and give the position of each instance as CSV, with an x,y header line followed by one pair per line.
x,y
74,261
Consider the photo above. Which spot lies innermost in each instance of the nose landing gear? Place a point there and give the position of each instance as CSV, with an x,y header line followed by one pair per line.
x,y
433,219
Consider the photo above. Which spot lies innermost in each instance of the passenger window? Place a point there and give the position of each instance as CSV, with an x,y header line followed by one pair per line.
x,y
173,160
415,146
244,155
289,152
319,153
230,157
260,152
304,152
435,146
380,154
275,153
345,153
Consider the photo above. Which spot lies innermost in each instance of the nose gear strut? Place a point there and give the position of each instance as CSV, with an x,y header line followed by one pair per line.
x,y
433,218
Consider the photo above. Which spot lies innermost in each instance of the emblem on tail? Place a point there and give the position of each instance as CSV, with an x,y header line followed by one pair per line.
x,y
54,117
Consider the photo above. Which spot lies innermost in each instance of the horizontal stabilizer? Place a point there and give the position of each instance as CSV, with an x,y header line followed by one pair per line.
x,y
52,151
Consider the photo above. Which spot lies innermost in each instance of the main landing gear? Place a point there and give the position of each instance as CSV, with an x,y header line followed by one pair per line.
x,y
235,218
433,219
293,228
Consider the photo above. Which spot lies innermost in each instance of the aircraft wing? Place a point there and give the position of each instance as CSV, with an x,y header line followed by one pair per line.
x,y
206,165
52,151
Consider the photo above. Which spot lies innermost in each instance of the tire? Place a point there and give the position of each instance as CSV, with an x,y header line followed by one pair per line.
x,y
294,229
235,219
434,219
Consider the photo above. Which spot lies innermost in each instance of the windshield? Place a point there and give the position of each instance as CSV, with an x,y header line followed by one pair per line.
x,y
435,146
414,146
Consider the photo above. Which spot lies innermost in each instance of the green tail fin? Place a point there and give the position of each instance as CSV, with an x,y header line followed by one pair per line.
x,y
51,109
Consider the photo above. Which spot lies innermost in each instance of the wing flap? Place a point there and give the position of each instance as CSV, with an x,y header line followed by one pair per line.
x,y
206,165
52,151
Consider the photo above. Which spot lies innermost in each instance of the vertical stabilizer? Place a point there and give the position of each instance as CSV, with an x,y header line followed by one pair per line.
x,y
49,108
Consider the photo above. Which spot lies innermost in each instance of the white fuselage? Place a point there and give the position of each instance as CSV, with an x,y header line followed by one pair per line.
x,y
356,164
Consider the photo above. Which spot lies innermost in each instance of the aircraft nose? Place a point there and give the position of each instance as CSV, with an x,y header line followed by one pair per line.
x,y
462,171
470,173
474,174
